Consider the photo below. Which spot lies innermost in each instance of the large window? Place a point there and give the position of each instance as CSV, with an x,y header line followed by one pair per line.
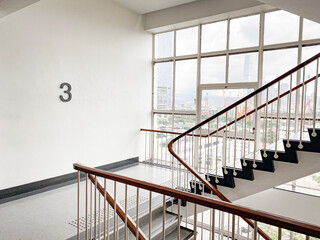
x,y
201,69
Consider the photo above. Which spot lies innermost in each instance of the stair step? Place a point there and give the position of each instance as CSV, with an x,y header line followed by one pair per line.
x,y
260,165
314,139
245,173
185,234
227,180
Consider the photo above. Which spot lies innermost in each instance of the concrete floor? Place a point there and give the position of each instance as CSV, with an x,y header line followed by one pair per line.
x,y
49,215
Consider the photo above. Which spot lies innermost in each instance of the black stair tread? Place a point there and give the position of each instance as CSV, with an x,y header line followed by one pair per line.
x,y
197,184
227,180
243,173
266,165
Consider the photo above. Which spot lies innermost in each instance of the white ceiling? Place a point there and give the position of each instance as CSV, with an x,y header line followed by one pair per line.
x,y
146,6
305,8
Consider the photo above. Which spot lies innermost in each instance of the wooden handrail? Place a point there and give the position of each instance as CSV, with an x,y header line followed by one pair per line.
x,y
261,216
169,132
132,227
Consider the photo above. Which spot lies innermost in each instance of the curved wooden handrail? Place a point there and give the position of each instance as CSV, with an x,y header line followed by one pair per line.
x,y
268,218
169,132
256,92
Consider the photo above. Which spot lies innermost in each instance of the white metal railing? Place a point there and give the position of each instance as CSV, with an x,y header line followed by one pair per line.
x,y
218,219
283,109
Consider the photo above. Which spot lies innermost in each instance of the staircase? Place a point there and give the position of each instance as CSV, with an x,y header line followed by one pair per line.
x,y
237,152
241,151
292,163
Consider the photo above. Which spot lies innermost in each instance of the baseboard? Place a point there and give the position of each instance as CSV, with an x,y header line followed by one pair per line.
x,y
30,189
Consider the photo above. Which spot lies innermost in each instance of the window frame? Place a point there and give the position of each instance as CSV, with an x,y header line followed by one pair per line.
x,y
260,49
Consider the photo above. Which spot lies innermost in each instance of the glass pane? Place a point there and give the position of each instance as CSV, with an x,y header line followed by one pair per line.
x,y
184,122
308,52
187,41
163,81
281,26
243,67
213,70
164,45
185,89
163,122
244,32
276,63
214,37
215,100
311,30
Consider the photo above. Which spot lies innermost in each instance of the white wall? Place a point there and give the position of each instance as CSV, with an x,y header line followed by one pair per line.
x,y
101,49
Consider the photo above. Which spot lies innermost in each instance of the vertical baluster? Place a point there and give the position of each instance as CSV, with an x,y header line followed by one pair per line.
x,y
195,222
266,125
228,229
99,216
137,215
208,152
238,228
166,150
202,216
150,214
220,223
200,151
164,217
235,142
213,223
126,212
314,134
185,159
225,141
255,130
300,146
305,106
90,210
86,232
245,133
307,237
104,209
95,207
248,231
277,123
217,143
233,226
78,207
178,167
289,113
145,147
193,160
255,230
161,149
108,217
157,143
179,219
279,233
115,210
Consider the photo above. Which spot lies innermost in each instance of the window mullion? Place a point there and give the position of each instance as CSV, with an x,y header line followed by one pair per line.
x,y
198,93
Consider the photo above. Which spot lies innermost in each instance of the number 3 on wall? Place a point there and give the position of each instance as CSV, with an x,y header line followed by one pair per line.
x,y
68,92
